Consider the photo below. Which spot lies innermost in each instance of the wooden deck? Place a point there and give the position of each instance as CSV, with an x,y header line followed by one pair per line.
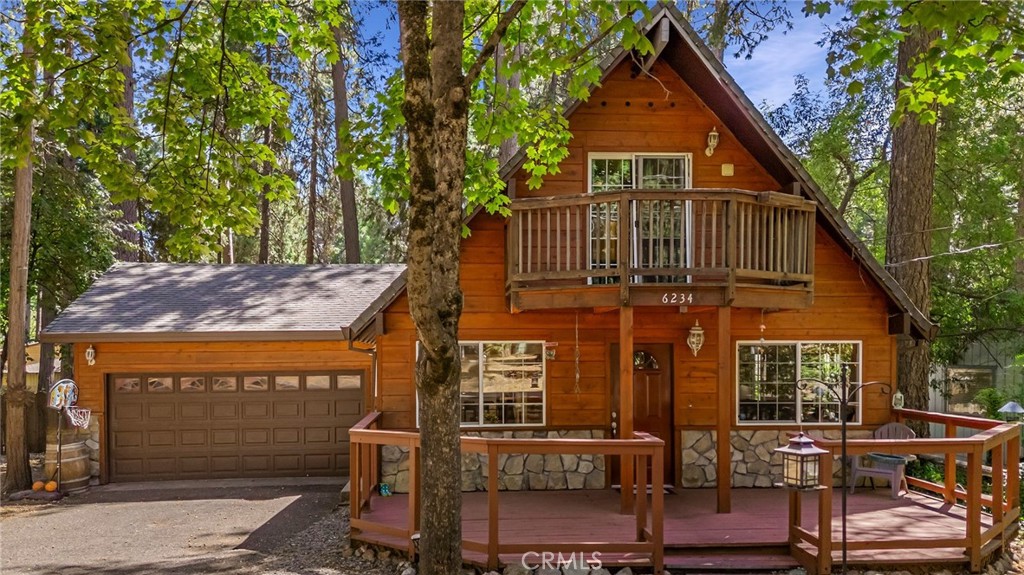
x,y
754,535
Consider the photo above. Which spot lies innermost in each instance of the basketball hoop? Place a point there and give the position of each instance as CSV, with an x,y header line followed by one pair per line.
x,y
78,416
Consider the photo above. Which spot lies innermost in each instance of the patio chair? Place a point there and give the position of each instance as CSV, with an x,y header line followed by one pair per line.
x,y
881,465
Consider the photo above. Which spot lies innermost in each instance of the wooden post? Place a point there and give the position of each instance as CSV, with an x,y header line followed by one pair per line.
x,y
412,518
492,506
625,419
658,509
949,475
723,446
355,496
1013,472
641,494
997,484
794,516
825,516
974,508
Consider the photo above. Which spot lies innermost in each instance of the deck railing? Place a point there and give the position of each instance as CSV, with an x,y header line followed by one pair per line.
x,y
702,236
1002,440
644,450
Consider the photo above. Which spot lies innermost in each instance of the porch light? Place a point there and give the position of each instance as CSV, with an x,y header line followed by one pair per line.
x,y
712,142
800,462
90,355
696,338
897,400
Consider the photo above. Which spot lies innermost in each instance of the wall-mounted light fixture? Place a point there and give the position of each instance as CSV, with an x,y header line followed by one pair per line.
x,y
712,142
696,338
90,355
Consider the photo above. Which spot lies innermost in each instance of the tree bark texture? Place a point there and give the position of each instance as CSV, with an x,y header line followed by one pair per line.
x,y
346,187
19,475
127,250
509,146
314,162
264,251
436,114
37,424
908,243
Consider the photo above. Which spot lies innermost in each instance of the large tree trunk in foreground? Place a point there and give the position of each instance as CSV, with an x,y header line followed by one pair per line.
x,y
19,475
129,246
346,187
436,112
908,243
314,162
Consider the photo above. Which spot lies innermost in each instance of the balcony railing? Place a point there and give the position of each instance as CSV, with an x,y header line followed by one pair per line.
x,y
709,238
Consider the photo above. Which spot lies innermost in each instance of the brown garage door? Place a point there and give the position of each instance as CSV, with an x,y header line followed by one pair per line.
x,y
187,426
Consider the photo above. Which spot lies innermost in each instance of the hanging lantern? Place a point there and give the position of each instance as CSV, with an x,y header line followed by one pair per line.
x,y
800,462
897,400
696,338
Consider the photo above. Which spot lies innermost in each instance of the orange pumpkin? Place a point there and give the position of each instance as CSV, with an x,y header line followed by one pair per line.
x,y
37,486
51,486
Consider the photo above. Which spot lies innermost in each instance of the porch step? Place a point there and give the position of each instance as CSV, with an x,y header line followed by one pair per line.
x,y
765,559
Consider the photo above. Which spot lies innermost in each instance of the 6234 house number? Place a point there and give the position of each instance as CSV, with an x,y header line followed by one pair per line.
x,y
677,297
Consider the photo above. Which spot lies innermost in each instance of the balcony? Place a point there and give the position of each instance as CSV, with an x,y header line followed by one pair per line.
x,y
680,248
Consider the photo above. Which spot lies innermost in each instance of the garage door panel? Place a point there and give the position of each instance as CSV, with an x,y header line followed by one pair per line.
x,y
194,438
224,437
160,438
233,433
193,410
256,409
223,410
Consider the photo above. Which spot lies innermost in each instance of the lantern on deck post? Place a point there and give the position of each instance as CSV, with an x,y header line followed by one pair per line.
x,y
800,462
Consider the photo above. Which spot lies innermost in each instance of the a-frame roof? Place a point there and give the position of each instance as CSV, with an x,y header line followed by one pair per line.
x,y
689,57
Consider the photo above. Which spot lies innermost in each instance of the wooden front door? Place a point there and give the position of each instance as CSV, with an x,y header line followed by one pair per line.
x,y
652,398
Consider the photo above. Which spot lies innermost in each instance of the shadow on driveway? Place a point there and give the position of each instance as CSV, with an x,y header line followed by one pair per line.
x,y
205,528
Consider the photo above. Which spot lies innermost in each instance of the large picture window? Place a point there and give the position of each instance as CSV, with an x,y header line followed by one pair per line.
x,y
767,376
502,383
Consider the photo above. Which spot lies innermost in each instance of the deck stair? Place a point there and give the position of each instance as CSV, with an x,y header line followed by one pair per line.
x,y
739,559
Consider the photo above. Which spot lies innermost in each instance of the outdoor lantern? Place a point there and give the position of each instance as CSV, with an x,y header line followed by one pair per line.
x,y
696,338
897,400
712,142
90,355
800,462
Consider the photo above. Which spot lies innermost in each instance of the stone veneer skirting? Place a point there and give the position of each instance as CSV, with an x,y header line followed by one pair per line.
x,y
754,461
516,472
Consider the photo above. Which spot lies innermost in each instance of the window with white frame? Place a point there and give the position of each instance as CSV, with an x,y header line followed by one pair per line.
x,y
502,383
768,374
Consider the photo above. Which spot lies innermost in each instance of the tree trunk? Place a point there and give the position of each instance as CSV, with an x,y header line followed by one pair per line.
x,y
908,242
19,475
314,157
48,311
1019,260
436,112
509,146
129,246
717,35
264,252
346,187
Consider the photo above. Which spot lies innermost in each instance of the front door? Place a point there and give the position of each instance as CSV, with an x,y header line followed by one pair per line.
x,y
652,398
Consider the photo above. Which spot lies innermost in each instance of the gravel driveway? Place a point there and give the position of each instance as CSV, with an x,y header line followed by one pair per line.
x,y
226,527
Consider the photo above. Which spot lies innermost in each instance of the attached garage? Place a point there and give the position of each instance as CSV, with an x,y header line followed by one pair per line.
x,y
202,371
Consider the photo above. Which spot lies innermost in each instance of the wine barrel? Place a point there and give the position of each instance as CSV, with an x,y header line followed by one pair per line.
x,y
74,469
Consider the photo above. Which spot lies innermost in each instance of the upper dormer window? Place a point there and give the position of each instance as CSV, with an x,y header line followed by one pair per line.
x,y
611,172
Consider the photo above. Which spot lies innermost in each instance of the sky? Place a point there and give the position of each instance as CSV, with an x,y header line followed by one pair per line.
x,y
767,77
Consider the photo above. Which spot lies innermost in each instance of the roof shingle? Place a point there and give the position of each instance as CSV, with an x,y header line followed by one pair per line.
x,y
159,301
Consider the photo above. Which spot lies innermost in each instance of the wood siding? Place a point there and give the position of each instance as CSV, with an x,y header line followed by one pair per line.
x,y
200,358
663,115
847,306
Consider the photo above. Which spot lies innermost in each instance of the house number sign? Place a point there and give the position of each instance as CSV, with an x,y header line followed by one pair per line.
x,y
677,298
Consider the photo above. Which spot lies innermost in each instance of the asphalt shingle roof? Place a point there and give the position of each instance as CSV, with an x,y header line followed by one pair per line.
x,y
138,301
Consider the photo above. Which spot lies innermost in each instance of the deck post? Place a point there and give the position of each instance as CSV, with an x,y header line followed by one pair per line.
x,y
625,419
658,509
974,508
355,493
1013,472
492,505
949,494
641,495
997,484
723,444
794,516
825,516
413,519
